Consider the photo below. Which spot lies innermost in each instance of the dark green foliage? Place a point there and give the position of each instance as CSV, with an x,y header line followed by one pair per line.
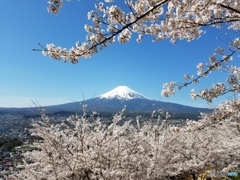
x,y
8,144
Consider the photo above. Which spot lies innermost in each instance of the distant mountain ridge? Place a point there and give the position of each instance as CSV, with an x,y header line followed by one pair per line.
x,y
115,100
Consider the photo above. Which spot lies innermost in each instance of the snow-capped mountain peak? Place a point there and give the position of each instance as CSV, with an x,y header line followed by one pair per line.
x,y
122,92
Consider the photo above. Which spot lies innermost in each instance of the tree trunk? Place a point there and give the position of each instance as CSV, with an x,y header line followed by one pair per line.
x,y
194,176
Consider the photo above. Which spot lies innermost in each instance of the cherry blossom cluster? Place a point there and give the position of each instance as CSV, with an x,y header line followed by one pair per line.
x,y
54,6
168,89
210,93
162,19
234,77
228,110
87,148
58,53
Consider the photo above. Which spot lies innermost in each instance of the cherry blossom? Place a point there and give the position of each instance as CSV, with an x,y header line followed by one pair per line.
x,y
80,147
162,19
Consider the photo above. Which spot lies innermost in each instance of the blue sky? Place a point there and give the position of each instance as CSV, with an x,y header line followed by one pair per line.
x,y
26,75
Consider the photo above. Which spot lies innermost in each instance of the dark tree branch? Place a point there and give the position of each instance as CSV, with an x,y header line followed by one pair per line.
x,y
230,8
210,68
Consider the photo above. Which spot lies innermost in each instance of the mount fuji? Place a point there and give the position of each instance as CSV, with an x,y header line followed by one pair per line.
x,y
115,100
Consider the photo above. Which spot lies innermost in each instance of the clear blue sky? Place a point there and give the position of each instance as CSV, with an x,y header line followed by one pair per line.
x,y
26,75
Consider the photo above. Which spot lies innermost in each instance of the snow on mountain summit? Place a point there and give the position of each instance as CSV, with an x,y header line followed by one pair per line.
x,y
122,92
